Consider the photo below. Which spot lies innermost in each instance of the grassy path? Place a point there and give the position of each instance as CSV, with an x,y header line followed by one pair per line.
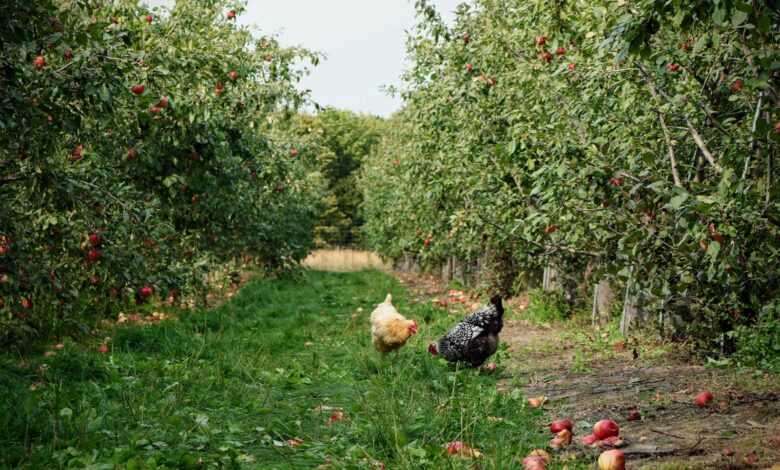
x,y
230,387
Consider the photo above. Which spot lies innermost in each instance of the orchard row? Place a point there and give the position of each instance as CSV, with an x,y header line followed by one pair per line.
x,y
140,150
633,142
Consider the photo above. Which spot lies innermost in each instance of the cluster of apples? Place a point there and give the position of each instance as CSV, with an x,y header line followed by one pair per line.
x,y
605,435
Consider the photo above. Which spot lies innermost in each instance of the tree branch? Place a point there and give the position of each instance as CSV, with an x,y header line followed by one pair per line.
x,y
694,133
667,137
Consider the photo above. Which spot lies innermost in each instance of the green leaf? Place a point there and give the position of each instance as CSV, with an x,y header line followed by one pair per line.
x,y
677,201
713,249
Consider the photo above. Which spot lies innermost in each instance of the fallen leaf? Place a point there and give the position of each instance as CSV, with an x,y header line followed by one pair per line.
x,y
536,402
294,442
462,450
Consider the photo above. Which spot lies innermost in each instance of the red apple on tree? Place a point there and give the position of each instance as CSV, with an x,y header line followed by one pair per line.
x,y
146,291
39,62
26,303
94,280
571,67
155,110
427,242
163,103
219,88
132,153
149,19
560,51
137,89
231,15
233,75
541,40
94,255
673,67
293,152
616,181
466,38
777,127
736,87
546,56
550,229
95,239
469,68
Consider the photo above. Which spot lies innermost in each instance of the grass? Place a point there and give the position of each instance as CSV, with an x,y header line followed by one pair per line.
x,y
229,387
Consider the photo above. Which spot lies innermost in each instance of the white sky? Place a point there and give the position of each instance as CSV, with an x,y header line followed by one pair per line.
x,y
364,41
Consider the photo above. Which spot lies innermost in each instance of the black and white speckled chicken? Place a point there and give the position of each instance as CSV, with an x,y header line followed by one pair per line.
x,y
474,339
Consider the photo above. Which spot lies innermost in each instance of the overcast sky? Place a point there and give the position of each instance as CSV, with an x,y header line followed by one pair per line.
x,y
363,40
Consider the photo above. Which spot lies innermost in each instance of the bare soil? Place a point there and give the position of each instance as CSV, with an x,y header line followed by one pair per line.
x,y
586,378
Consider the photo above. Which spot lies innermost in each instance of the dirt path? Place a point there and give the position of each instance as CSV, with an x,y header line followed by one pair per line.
x,y
587,378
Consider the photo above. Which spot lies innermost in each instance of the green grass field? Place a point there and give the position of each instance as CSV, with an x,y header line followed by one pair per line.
x,y
229,387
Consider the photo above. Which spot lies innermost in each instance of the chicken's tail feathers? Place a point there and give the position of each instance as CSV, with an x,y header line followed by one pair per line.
x,y
496,300
389,298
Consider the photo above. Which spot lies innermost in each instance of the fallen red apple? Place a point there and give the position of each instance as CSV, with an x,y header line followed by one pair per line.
x,y
541,40
534,463
39,62
542,454
616,181
560,425
547,57
455,447
736,87
219,88
293,152
155,110
572,67
550,229
560,51
633,415
728,452
469,68
589,440
427,242
562,439
146,291
103,348
612,460
703,399
605,428
137,89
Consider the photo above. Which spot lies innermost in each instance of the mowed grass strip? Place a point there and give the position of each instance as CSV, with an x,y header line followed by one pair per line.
x,y
282,376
